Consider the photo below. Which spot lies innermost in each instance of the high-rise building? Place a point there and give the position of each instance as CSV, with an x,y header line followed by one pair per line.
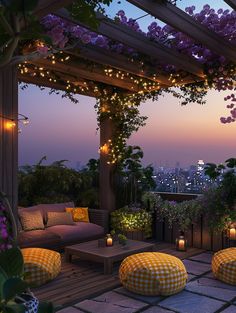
x,y
200,165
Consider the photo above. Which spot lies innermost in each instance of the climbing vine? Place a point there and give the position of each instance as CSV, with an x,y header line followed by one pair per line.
x,y
124,112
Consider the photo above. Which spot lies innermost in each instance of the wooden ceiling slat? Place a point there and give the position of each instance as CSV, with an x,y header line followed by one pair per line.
x,y
83,71
156,51
181,21
231,3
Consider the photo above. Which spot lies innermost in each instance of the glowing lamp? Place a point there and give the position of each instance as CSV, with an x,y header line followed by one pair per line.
x,y
181,243
232,232
10,124
104,149
109,240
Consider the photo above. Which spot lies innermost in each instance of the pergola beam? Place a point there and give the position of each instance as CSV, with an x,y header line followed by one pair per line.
x,y
42,82
120,62
137,41
93,74
231,3
181,21
126,64
50,6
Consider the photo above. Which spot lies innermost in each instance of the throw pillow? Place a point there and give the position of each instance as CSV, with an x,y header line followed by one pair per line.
x,y
31,220
79,214
59,218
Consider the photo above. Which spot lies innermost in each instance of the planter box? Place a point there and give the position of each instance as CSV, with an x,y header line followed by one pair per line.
x,y
135,235
198,235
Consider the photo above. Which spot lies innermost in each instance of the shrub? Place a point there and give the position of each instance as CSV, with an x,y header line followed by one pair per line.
x,y
127,219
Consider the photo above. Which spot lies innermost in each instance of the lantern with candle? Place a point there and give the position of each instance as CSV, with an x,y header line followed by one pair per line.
x,y
109,240
232,232
181,243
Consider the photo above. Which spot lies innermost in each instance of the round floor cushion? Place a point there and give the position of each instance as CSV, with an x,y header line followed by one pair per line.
x,y
153,273
41,265
224,265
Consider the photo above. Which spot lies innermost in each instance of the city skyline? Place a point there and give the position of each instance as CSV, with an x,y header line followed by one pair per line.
x,y
60,129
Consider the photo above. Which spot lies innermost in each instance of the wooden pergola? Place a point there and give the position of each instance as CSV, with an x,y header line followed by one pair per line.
x,y
87,65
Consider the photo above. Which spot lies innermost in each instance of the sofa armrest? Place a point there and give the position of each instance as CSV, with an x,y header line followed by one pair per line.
x,y
99,217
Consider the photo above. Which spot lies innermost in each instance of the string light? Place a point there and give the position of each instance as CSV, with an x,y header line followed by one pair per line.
x,y
11,122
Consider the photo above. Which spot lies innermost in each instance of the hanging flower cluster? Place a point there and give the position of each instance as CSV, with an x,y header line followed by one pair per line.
x,y
5,238
232,107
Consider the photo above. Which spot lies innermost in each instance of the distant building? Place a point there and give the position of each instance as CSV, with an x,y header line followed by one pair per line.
x,y
176,179
200,165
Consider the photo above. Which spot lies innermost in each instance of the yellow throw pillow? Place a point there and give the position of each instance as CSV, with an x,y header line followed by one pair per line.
x,y
79,214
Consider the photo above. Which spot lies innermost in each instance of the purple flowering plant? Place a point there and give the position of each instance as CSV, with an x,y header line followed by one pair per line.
x,y
220,73
5,231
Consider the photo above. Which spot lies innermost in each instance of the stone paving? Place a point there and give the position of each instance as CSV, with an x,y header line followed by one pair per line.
x,y
202,294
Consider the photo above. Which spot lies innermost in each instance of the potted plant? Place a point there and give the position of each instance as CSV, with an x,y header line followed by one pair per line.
x,y
122,239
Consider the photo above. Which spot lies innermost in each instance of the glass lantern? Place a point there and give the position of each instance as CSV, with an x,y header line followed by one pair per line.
x,y
109,240
232,232
181,243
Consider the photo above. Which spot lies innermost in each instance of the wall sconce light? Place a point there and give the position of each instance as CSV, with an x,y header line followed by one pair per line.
x,y
104,149
11,122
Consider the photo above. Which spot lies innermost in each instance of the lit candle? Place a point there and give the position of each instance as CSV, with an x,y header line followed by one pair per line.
x,y
232,233
109,240
181,244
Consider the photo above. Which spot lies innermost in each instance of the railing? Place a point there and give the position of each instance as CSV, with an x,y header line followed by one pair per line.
x,y
198,235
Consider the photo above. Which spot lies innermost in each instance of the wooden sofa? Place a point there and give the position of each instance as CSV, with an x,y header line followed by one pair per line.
x,y
58,236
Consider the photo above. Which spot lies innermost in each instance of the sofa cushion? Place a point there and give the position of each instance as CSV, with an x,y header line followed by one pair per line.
x,y
59,218
38,238
79,214
31,220
44,208
80,232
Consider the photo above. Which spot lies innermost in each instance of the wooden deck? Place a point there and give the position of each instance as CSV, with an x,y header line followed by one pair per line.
x,y
82,279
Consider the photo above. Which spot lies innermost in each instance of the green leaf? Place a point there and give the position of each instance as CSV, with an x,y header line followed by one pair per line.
x,y
231,163
12,287
84,12
11,261
14,308
45,307
3,278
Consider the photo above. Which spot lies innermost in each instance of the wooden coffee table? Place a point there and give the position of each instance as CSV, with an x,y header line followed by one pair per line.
x,y
106,255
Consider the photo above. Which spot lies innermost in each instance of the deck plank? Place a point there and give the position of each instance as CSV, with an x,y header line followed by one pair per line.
x,y
81,279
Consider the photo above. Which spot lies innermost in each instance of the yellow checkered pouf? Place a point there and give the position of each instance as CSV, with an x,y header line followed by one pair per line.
x,y
41,265
153,273
224,265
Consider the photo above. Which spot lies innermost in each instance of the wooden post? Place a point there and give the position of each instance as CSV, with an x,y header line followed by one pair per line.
x,y
9,133
106,177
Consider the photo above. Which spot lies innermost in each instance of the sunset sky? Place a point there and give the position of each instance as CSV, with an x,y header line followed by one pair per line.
x,y
60,129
